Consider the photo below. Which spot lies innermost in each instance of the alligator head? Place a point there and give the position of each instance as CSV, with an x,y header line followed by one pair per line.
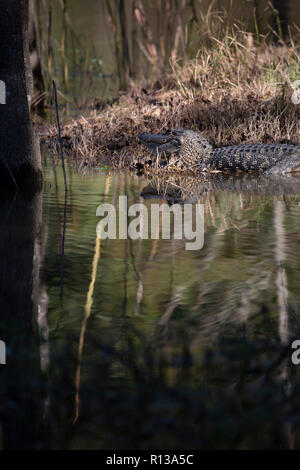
x,y
184,147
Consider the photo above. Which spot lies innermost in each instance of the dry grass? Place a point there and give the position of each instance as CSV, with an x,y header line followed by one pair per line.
x,y
234,92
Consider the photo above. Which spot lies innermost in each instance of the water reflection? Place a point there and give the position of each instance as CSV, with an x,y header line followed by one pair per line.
x,y
21,390
153,346
186,188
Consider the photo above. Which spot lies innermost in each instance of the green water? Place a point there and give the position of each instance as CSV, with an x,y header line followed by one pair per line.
x,y
147,345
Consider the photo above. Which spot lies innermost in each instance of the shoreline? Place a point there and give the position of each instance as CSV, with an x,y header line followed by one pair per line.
x,y
233,98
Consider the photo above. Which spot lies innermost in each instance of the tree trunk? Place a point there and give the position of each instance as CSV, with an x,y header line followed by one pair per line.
x,y
280,18
35,60
124,38
19,156
21,387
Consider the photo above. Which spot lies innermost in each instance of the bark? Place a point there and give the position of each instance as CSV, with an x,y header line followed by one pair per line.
x,y
124,37
35,60
118,51
179,30
150,49
19,157
134,46
280,19
21,385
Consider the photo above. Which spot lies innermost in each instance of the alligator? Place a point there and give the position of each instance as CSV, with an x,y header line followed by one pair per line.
x,y
187,149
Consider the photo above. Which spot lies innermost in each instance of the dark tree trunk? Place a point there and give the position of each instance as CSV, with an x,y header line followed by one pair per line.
x,y
35,61
124,37
22,390
280,18
21,394
19,157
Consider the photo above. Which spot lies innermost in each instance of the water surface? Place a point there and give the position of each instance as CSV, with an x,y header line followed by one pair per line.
x,y
144,344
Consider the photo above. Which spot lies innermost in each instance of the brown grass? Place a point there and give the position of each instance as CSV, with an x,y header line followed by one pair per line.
x,y
235,92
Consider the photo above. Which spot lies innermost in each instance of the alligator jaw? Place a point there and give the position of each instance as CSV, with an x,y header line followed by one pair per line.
x,y
167,143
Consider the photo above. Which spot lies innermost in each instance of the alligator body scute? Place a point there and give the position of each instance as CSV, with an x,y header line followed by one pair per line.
x,y
189,149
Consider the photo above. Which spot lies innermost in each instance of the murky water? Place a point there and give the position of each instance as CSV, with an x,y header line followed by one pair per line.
x,y
144,344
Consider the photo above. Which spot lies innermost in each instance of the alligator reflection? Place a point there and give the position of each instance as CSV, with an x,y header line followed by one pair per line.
x,y
176,188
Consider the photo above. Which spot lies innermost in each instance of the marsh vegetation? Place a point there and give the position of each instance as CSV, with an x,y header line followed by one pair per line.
x,y
231,80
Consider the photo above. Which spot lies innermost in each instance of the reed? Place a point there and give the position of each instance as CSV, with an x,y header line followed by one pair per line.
x,y
145,35
62,53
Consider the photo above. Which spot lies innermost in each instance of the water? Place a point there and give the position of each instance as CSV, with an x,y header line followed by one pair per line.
x,y
146,345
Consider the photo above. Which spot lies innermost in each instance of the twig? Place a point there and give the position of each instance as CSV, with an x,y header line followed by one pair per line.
x,y
59,136
66,193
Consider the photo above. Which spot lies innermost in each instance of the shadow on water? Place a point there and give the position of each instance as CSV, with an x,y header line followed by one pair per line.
x,y
201,355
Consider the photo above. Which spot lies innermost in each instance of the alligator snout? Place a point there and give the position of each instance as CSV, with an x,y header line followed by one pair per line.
x,y
146,137
167,143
